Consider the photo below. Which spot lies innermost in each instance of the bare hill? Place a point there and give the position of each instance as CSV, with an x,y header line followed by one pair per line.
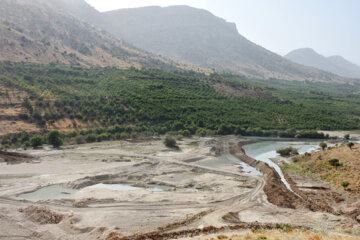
x,y
39,31
198,37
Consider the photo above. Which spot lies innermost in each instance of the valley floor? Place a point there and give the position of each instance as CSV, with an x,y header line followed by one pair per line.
x,y
162,190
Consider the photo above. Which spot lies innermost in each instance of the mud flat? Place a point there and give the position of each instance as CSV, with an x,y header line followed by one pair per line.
x,y
102,190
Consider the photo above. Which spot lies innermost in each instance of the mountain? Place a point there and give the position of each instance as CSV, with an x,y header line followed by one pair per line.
x,y
71,32
39,31
334,64
196,36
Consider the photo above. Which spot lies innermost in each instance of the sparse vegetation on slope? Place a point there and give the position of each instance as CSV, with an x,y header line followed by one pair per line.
x,y
38,31
338,166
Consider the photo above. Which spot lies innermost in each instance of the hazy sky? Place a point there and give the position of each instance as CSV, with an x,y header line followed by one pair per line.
x,y
331,27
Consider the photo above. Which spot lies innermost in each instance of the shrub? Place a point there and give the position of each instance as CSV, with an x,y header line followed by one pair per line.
x,y
170,142
80,139
285,152
335,162
26,145
347,137
323,145
350,145
36,141
54,138
345,184
91,138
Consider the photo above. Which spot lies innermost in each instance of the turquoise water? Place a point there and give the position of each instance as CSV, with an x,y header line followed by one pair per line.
x,y
229,160
56,192
127,187
48,193
263,151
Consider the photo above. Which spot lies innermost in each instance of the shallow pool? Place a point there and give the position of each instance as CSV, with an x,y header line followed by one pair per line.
x,y
229,160
264,151
56,192
48,193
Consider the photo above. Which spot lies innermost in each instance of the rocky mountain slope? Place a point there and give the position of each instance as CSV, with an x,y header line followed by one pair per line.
x,y
39,31
196,36
334,64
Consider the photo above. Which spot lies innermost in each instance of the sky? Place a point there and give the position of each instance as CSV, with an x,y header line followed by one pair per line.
x,y
330,27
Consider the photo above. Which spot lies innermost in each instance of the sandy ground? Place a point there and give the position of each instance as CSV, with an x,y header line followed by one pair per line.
x,y
218,195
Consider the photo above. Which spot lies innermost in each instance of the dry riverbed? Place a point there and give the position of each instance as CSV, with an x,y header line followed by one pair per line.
x,y
116,189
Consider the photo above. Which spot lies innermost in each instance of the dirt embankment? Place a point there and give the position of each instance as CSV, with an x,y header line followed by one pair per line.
x,y
196,232
277,193
15,158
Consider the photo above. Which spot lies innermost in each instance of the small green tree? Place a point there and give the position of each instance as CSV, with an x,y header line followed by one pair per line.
x,y
323,145
170,142
54,138
347,136
36,141
285,152
26,145
350,145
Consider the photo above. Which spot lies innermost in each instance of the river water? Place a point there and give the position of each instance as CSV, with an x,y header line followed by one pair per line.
x,y
264,151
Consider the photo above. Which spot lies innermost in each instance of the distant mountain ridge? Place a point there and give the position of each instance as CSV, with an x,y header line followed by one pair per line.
x,y
197,37
334,64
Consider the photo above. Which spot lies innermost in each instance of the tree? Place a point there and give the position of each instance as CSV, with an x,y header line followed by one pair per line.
x,y
285,152
54,138
36,141
347,137
350,145
170,142
323,145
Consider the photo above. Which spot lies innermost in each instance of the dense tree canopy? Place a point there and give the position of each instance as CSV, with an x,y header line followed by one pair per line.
x,y
154,102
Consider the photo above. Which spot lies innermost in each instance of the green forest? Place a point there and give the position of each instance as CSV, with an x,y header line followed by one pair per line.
x,y
152,102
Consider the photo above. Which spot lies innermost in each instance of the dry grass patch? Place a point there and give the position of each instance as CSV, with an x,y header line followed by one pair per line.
x,y
319,165
280,235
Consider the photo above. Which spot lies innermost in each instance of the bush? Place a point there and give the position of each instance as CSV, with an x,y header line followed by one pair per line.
x,y
347,137
91,138
350,145
285,152
26,145
170,142
335,162
323,145
345,184
80,139
54,138
36,141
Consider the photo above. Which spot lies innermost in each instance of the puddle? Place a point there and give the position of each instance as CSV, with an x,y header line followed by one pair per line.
x,y
231,160
129,187
56,192
116,187
159,188
52,192
263,151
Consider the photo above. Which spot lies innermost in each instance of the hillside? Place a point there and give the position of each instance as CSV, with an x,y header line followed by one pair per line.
x,y
152,102
198,37
334,64
318,166
38,31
